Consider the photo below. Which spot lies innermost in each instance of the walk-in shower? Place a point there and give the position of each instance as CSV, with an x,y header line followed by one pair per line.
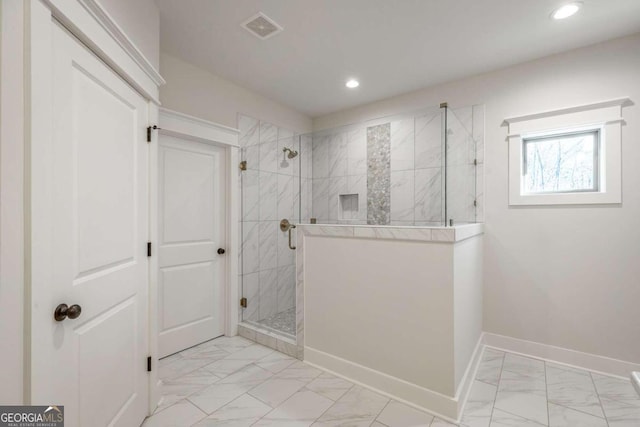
x,y
422,168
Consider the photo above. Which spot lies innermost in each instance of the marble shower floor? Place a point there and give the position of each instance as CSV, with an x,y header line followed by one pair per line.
x,y
235,382
285,322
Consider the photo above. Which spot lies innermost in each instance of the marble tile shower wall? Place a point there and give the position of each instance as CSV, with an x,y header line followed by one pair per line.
x,y
270,189
415,185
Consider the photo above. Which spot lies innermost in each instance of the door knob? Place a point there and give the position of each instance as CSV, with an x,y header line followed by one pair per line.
x,y
63,311
220,251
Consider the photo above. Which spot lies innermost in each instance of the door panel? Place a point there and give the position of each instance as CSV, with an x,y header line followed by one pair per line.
x,y
97,193
192,221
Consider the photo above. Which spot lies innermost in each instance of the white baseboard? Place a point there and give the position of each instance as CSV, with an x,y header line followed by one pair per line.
x,y
443,406
590,362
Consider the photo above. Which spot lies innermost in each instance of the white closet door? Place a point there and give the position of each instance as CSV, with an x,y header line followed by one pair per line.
x,y
90,245
192,233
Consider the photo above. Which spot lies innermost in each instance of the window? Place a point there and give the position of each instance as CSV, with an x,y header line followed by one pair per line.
x,y
561,163
570,156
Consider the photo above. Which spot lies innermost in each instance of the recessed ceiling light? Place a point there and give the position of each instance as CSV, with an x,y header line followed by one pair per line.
x,y
566,10
352,84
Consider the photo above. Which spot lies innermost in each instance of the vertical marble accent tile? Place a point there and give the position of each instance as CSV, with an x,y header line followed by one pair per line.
x,y
477,411
559,416
378,174
338,155
357,184
285,197
428,141
402,145
268,132
250,247
269,156
320,203
358,406
573,389
428,195
250,195
357,152
251,291
268,239
249,130
268,196
268,292
337,186
402,195
490,366
400,415
320,157
285,165
286,288
523,393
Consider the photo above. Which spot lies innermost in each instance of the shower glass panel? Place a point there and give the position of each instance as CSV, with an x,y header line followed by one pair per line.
x,y
271,192
460,167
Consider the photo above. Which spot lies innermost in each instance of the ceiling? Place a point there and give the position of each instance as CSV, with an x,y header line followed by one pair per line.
x,y
391,46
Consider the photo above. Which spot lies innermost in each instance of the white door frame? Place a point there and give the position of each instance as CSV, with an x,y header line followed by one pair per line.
x,y
92,25
184,126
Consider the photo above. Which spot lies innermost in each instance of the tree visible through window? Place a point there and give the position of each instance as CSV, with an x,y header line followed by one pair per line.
x,y
561,163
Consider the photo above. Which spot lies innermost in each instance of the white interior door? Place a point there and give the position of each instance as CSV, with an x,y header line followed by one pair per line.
x,y
192,233
90,222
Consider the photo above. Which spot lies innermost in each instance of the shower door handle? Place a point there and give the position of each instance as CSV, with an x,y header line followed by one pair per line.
x,y
293,248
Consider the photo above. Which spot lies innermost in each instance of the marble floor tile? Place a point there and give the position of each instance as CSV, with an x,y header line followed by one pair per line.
x,y
214,397
253,352
560,416
505,419
574,390
181,414
232,344
438,422
616,389
276,390
490,366
301,409
358,407
224,367
330,386
174,390
621,414
300,371
250,375
477,411
398,414
243,410
275,362
180,367
524,365
523,394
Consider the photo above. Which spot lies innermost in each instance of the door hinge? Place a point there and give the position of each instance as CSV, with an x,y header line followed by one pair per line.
x,y
148,248
475,203
243,165
149,129
243,302
475,162
149,364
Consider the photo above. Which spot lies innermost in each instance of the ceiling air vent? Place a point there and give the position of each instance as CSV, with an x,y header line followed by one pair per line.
x,y
261,26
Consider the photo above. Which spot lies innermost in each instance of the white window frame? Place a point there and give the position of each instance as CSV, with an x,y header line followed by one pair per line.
x,y
604,116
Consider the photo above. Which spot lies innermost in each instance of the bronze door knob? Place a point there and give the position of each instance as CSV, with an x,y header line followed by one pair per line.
x,y
63,311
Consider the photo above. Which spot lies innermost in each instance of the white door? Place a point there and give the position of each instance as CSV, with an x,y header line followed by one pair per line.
x,y
90,222
191,241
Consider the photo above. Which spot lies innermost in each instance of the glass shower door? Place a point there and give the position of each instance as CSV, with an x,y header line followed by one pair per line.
x,y
270,187
460,167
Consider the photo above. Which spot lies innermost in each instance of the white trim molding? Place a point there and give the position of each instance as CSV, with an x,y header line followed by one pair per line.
x,y
591,362
93,26
605,116
180,124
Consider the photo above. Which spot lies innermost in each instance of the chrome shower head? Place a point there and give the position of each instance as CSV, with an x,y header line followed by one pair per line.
x,y
291,153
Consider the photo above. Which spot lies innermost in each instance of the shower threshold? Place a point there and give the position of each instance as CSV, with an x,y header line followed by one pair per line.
x,y
283,323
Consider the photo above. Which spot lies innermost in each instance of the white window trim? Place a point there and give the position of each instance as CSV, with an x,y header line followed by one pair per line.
x,y
606,116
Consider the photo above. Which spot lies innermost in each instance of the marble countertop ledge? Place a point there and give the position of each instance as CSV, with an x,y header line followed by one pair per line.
x,y
453,234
